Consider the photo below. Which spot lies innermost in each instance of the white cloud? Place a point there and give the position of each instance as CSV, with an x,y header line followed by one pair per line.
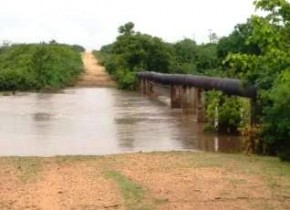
x,y
93,23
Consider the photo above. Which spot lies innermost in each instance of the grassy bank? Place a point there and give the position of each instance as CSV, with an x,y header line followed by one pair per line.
x,y
170,180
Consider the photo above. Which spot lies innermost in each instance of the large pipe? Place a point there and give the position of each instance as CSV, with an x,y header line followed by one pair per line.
x,y
226,85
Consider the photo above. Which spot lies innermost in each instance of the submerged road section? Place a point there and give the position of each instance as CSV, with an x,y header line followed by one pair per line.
x,y
96,121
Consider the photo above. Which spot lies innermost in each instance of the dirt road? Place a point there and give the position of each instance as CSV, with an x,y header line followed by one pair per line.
x,y
95,74
165,181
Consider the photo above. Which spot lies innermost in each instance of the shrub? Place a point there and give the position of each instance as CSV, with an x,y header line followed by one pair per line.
x,y
126,79
228,110
38,66
276,130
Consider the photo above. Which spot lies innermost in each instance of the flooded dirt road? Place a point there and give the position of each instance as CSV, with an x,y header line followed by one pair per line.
x,y
96,121
94,74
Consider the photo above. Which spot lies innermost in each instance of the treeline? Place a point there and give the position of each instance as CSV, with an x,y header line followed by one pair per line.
x,y
258,52
39,66
134,51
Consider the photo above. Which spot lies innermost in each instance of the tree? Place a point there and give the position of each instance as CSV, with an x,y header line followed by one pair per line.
x,y
277,134
185,56
213,38
206,57
237,42
107,48
271,34
133,52
186,51
38,66
127,28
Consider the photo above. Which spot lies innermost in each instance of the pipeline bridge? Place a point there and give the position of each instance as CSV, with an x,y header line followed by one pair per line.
x,y
186,92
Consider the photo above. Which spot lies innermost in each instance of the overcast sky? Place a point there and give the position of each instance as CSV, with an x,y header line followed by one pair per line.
x,y
93,23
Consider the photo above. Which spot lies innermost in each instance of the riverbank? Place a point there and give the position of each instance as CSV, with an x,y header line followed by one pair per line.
x,y
169,180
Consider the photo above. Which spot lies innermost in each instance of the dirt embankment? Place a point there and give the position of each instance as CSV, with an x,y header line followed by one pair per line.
x,y
173,180
95,74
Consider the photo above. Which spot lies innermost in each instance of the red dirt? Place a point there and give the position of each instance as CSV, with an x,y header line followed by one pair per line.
x,y
169,180
95,75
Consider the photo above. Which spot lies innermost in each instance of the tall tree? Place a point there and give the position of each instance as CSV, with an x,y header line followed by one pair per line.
x,y
237,42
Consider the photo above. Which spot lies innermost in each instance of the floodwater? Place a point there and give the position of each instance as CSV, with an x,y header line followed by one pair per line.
x,y
98,121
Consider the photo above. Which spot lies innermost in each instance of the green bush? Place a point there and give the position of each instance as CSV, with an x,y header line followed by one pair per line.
x,y
39,66
133,52
126,79
227,110
266,66
276,130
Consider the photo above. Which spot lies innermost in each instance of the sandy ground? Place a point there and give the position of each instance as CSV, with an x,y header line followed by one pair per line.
x,y
54,185
166,180
95,74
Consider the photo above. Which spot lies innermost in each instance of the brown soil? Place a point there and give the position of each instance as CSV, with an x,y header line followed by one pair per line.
x,y
95,74
174,180
58,186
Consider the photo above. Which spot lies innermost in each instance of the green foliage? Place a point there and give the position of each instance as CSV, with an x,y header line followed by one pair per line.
x,y
237,42
126,79
107,48
78,48
229,114
257,52
191,58
225,109
186,51
207,57
133,52
278,134
185,56
127,29
212,104
38,66
269,71
141,51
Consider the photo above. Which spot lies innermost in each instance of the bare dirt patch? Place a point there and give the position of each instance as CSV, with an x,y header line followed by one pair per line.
x,y
207,181
59,186
95,75
173,180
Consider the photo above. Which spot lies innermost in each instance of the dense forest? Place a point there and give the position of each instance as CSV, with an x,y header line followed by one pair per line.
x,y
41,66
257,52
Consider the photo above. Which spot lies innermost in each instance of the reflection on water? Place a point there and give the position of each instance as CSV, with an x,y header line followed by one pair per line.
x,y
95,121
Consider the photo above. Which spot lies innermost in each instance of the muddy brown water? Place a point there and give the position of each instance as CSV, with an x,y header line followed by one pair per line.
x,y
98,121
